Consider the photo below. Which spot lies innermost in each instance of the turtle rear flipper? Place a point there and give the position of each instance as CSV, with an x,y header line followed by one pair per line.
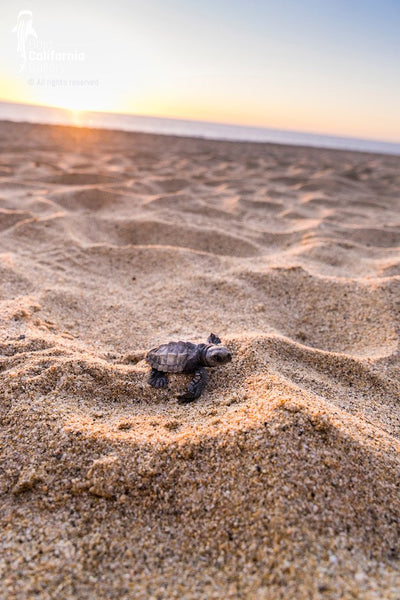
x,y
158,379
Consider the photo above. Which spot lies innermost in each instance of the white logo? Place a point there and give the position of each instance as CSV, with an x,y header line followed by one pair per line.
x,y
24,30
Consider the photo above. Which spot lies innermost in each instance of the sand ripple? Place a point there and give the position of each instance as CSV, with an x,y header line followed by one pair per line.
x,y
111,243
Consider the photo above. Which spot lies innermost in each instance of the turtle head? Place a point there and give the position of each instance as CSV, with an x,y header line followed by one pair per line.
x,y
215,356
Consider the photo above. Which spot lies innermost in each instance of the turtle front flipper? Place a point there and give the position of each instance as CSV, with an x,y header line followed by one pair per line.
x,y
195,387
158,379
213,339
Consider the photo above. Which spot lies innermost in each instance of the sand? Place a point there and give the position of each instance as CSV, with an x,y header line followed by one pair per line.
x,y
282,480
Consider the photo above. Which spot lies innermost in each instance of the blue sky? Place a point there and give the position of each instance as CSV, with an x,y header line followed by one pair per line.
x,y
325,67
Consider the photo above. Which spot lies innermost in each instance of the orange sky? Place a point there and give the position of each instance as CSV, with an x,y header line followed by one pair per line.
x,y
323,69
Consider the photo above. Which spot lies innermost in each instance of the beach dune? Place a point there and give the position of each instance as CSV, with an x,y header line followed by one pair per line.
x,y
282,480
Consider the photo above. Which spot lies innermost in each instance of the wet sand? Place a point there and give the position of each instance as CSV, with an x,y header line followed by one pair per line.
x,y
282,480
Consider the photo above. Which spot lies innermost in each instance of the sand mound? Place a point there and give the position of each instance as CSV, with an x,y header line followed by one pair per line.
x,y
282,481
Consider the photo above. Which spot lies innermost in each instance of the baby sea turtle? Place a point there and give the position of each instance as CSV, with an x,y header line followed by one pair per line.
x,y
186,357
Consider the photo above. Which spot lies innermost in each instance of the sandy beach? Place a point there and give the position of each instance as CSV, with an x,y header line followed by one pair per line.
x,y
283,479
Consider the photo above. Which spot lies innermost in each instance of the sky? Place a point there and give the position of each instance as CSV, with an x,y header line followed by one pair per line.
x,y
329,67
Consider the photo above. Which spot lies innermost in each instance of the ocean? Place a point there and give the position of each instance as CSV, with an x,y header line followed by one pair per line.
x,y
218,131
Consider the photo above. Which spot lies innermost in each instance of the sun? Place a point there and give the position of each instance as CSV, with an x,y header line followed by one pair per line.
x,y
76,99
77,117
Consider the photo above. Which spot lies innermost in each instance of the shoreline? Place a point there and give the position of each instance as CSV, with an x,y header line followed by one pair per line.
x,y
213,131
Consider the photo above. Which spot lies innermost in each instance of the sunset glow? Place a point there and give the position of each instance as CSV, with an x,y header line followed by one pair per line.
x,y
319,67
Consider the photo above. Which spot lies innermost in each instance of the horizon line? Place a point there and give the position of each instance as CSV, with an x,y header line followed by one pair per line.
x,y
208,122
282,136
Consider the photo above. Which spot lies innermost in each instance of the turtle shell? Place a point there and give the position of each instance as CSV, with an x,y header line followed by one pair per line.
x,y
172,357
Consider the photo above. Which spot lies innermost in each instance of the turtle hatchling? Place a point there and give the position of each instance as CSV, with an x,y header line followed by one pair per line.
x,y
186,357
